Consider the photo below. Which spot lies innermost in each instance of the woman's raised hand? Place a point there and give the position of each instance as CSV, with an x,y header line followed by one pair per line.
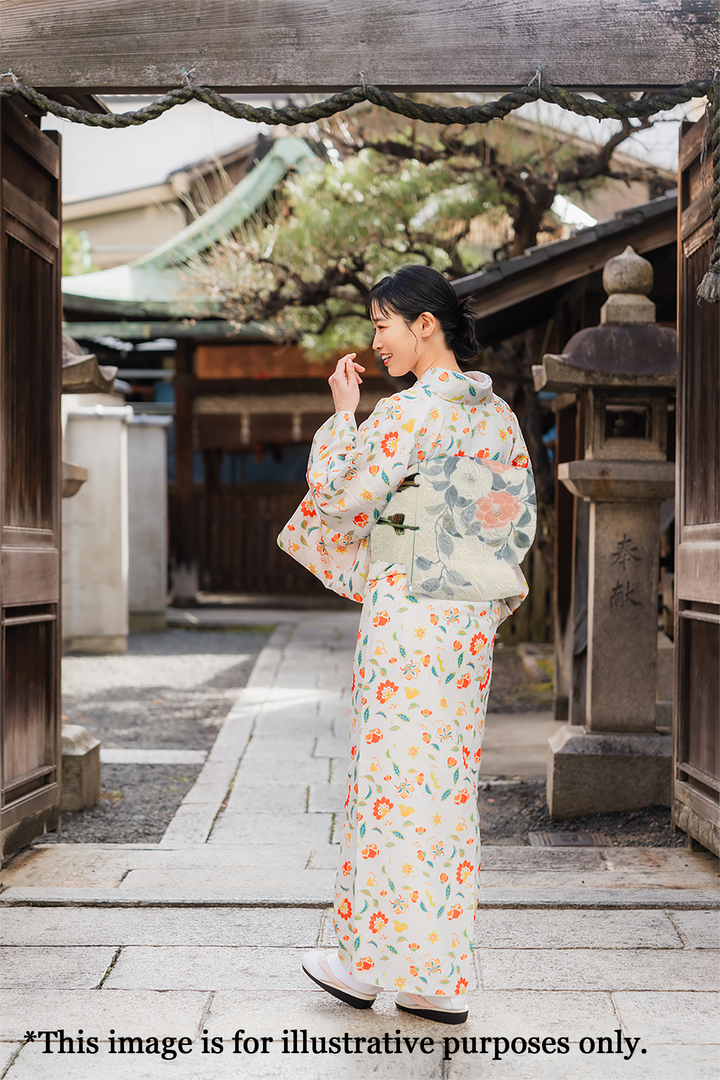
x,y
345,383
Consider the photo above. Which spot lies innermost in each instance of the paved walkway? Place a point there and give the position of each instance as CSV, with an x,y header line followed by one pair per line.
x,y
199,937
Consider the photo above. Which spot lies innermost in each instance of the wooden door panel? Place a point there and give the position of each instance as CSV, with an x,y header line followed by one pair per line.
x,y
30,371
30,576
696,766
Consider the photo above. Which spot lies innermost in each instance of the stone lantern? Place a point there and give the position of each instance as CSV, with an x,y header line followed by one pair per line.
x,y
625,369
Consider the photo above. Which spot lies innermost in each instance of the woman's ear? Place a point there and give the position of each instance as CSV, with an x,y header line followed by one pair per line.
x,y
428,323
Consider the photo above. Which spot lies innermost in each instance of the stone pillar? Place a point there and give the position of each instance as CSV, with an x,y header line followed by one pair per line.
x,y
147,523
615,759
622,616
95,526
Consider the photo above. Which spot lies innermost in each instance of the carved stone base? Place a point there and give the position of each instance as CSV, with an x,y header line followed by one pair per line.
x,y
591,772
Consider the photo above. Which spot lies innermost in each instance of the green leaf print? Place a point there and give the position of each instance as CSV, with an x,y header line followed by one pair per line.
x,y
392,950
450,677
403,653
396,769
441,908
362,828
385,478
446,794
357,943
391,884
447,892
456,774
398,834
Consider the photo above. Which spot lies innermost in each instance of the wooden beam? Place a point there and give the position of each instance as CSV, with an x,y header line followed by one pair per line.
x,y
117,46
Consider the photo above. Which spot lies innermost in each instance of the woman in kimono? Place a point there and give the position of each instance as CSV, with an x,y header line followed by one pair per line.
x,y
422,514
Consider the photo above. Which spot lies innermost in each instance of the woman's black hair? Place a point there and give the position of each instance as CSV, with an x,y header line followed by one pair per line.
x,y
413,289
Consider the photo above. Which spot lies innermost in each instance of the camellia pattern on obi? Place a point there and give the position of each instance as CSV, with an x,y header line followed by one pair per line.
x,y
409,843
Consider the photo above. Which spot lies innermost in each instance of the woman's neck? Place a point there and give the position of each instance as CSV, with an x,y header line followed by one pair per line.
x,y
443,358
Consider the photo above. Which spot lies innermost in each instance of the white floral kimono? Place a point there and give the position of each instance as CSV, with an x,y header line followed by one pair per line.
x,y
410,847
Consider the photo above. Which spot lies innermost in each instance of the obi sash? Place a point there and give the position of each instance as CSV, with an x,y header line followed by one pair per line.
x,y
461,526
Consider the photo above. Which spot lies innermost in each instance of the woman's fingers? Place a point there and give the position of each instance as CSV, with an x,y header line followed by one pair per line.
x,y
346,368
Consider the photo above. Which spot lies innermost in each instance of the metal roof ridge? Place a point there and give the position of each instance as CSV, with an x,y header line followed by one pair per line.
x,y
252,190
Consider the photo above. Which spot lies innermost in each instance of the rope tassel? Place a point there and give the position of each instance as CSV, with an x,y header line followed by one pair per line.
x,y
709,287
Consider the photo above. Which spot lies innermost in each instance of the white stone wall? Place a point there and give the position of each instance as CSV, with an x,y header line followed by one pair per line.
x,y
95,525
147,522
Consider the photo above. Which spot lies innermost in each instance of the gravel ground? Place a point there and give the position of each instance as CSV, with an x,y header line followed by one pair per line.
x,y
508,814
138,803
512,690
171,690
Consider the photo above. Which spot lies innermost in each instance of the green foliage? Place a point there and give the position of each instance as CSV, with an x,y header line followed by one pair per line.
x,y
406,193
332,232
75,254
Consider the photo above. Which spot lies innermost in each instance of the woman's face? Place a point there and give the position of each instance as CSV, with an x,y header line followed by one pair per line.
x,y
399,345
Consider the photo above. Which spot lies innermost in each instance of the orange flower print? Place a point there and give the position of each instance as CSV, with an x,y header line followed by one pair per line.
x,y
414,947
386,690
478,642
455,912
457,645
345,909
374,470
463,681
378,921
373,736
462,796
452,762
413,970
366,963
389,444
477,755
308,508
443,878
497,509
361,520
381,807
460,986
347,868
466,757
463,872
381,619
485,679
371,852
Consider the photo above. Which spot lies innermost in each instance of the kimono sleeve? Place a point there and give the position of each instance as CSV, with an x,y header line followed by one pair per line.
x,y
352,474
514,497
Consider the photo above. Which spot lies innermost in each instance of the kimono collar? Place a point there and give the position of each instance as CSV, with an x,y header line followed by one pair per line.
x,y
470,387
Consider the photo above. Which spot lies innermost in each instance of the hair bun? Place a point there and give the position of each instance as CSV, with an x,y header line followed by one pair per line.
x,y
465,344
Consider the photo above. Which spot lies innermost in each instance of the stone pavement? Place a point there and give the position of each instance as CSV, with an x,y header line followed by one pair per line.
x,y
579,952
